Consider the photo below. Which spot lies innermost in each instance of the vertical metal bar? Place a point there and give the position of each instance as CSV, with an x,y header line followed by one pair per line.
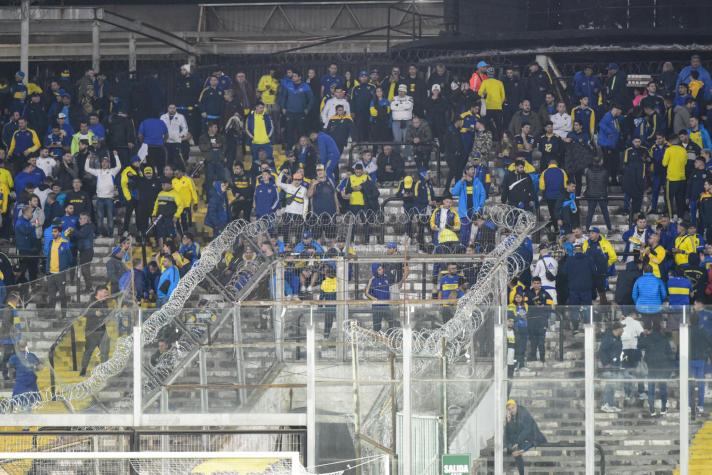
x,y
239,352
499,392
589,401
95,46
342,311
443,376
132,52
279,310
355,389
311,392
137,375
684,394
203,368
394,409
73,341
406,460
25,39
386,468
388,30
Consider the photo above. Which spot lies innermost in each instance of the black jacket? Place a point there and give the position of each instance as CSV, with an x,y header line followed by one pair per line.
x,y
609,353
96,318
187,92
515,91
579,270
624,286
437,113
700,344
634,176
36,117
577,157
395,161
596,183
522,431
537,85
81,201
120,131
658,353
517,188
616,90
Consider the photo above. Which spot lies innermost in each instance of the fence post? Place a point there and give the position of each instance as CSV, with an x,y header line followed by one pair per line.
x,y
406,459
239,353
203,375
499,392
277,321
311,392
137,377
342,311
589,401
684,393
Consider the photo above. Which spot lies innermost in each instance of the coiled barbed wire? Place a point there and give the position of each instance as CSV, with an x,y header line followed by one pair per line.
x,y
102,373
468,314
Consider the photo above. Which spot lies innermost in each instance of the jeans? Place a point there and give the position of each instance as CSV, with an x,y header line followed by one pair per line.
x,y
663,396
379,312
105,208
294,128
658,182
697,371
399,127
537,337
609,389
521,338
465,230
693,212
603,204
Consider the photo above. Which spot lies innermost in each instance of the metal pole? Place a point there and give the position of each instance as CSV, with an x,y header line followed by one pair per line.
x,y
95,51
25,38
203,368
499,392
589,402
684,394
137,386
406,460
132,52
355,389
443,375
279,310
342,311
311,392
239,351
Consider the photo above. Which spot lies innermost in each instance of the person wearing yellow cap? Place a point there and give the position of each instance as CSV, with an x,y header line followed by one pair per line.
x,y
521,433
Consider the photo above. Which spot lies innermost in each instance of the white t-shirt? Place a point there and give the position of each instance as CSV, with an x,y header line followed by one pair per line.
x,y
631,332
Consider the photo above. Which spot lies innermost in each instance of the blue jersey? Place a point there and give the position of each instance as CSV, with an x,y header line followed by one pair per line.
x,y
450,284
380,288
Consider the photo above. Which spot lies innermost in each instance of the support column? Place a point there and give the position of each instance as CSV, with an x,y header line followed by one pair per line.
x,y
279,311
203,368
25,38
311,392
684,394
342,311
95,48
132,52
406,461
499,391
589,401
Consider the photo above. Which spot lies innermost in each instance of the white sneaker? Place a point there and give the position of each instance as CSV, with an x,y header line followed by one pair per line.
x,y
607,408
310,289
700,410
643,396
525,370
616,409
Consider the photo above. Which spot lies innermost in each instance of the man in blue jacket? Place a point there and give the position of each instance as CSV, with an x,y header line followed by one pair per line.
x,y
295,99
329,154
648,294
587,85
266,198
59,259
696,65
26,243
471,198
609,132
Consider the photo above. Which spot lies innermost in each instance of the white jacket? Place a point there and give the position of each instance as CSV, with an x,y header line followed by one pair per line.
x,y
330,109
539,269
296,197
104,178
402,108
47,165
631,332
177,127
562,124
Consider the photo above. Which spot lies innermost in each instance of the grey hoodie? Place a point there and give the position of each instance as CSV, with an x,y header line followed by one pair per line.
x,y
681,119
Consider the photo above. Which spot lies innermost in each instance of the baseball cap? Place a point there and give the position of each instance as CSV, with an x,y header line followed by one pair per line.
x,y
320,167
511,402
613,66
391,245
408,181
482,64
363,73
61,115
436,87
136,159
20,74
403,87
358,166
595,230
148,171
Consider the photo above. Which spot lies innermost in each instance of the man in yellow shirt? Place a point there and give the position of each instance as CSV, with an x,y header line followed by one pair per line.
x,y
267,90
685,244
654,254
357,201
675,160
184,186
492,91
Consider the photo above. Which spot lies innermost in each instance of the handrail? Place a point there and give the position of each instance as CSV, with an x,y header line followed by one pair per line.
x,y
599,449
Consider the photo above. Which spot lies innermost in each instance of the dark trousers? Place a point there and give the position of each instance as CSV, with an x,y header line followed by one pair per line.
x,y
177,154
603,204
494,118
329,315
362,125
28,264
56,286
520,352
93,341
537,336
294,128
612,158
85,257
324,226
241,209
130,208
359,211
7,351
663,395
551,205
234,152
381,312
156,158
675,192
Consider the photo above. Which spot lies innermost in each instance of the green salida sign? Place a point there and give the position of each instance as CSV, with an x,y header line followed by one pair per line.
x,y
456,464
